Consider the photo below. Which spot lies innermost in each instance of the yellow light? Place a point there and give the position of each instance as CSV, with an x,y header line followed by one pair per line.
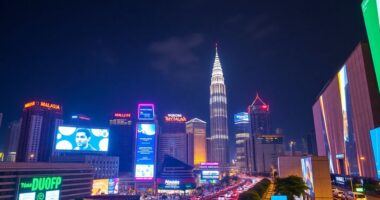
x,y
362,158
30,104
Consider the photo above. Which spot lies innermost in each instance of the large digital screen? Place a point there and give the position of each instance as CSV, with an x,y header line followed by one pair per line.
x,y
307,174
241,117
145,151
99,187
210,174
39,188
371,13
70,138
105,186
375,140
146,111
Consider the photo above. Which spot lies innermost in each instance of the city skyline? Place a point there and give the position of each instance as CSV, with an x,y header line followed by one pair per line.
x,y
101,64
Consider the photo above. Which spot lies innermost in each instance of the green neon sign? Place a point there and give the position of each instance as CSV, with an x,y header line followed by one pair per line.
x,y
39,188
371,13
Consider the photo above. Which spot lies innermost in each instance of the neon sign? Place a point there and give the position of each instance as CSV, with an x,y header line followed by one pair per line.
x,y
30,104
145,111
43,104
50,105
175,118
122,115
39,188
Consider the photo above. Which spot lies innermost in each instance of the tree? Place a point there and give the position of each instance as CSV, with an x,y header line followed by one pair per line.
x,y
249,195
290,186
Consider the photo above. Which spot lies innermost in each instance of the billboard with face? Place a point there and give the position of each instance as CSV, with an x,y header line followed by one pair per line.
x,y
70,138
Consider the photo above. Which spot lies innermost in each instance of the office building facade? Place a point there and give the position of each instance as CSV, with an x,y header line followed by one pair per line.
x,y
242,128
196,131
344,113
40,120
218,116
14,138
259,115
173,140
122,140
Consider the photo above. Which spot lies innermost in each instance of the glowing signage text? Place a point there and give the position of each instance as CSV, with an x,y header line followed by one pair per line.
x,y
175,118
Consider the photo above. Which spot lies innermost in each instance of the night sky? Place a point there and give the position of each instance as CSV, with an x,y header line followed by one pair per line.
x,y
98,57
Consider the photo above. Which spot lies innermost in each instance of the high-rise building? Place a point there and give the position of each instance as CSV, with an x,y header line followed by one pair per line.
x,y
14,138
345,112
268,147
196,131
40,120
260,116
208,148
173,139
242,129
218,116
122,140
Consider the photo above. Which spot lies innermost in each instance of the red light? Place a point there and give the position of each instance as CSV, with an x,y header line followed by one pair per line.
x,y
264,106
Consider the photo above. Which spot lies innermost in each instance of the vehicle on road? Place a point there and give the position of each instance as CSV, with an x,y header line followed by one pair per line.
x,y
354,196
338,193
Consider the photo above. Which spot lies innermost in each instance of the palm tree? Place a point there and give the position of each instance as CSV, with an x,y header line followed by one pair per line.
x,y
290,186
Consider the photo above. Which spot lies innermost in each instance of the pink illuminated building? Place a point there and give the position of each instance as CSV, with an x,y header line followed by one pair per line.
x,y
344,113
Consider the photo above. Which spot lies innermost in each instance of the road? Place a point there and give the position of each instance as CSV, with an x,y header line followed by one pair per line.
x,y
232,192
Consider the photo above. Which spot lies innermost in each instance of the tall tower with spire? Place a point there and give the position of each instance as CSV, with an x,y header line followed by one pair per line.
x,y
218,115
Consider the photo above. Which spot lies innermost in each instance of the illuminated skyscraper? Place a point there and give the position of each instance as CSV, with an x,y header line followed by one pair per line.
x,y
218,115
40,120
196,130
260,116
172,139
242,130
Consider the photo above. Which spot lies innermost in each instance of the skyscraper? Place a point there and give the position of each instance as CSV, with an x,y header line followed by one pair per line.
x,y
173,140
122,140
14,137
242,130
196,131
260,116
40,120
218,115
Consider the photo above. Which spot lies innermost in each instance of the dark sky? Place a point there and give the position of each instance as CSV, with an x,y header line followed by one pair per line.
x,y
97,57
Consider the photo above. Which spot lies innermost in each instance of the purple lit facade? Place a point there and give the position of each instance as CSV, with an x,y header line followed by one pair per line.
x,y
344,113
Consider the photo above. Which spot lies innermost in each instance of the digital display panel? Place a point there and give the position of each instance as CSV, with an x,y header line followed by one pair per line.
x,y
174,184
113,186
146,111
241,117
99,187
210,174
270,139
375,140
371,13
105,186
70,138
145,151
307,174
39,188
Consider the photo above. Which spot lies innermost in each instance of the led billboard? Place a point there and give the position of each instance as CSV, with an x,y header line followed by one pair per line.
x,y
241,117
210,174
307,174
371,13
39,188
375,140
105,186
145,111
99,187
70,138
145,151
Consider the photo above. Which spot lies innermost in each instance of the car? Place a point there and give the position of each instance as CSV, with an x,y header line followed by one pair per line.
x,y
354,196
338,193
